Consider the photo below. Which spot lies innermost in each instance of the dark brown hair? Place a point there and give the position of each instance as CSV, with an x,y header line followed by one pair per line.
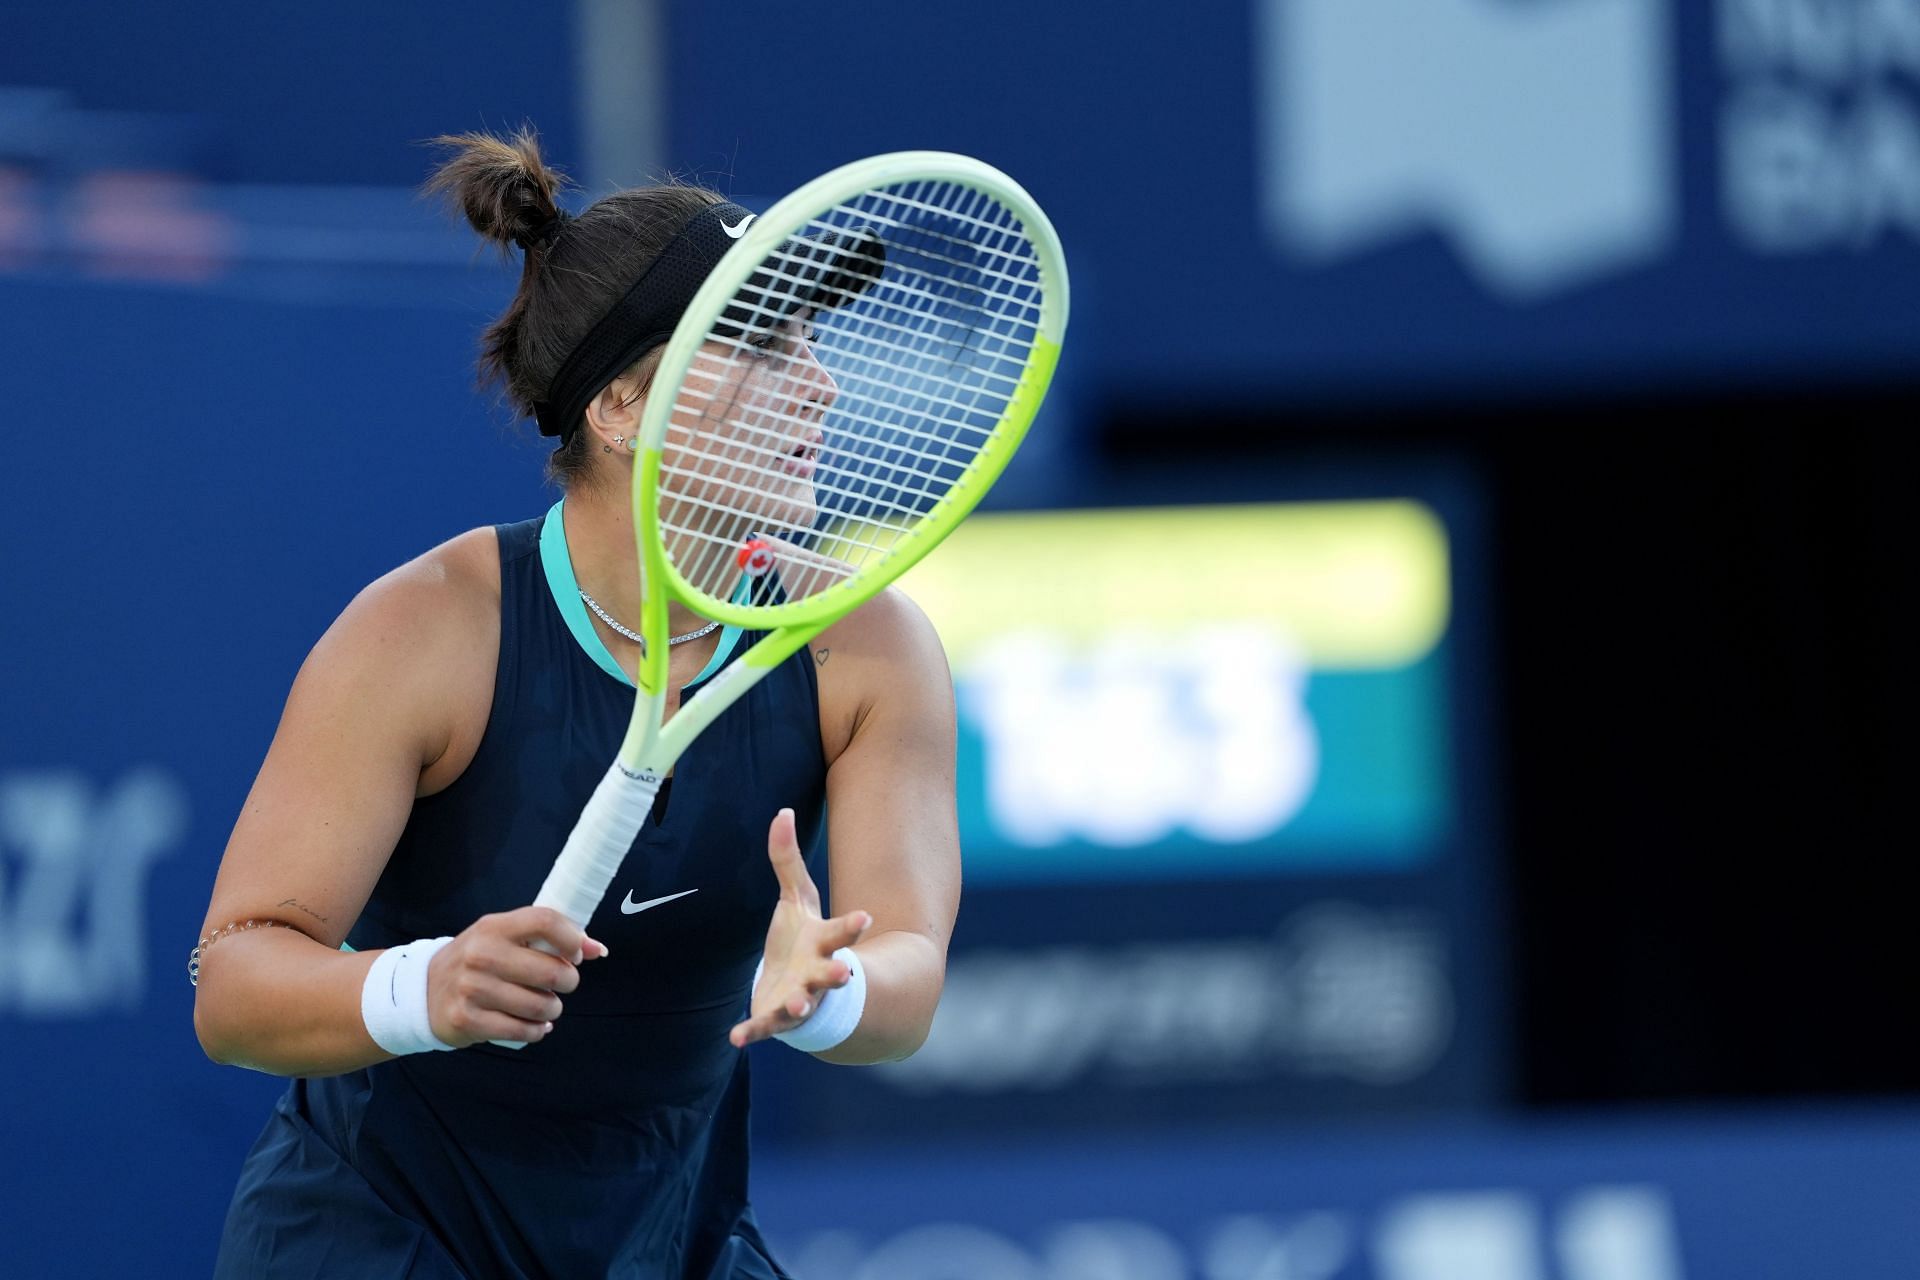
x,y
575,268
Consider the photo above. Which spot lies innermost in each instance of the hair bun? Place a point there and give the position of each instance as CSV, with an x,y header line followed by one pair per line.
x,y
506,191
541,236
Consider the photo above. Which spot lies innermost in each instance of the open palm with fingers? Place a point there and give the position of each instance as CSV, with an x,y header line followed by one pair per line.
x,y
799,967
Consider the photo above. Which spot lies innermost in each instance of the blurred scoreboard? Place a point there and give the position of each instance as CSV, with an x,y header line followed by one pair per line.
x,y
1221,796
1196,691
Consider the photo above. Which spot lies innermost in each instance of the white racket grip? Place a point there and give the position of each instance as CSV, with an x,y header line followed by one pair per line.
x,y
596,847
598,843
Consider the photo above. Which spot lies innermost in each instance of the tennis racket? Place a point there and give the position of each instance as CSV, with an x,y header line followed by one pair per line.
x,y
849,381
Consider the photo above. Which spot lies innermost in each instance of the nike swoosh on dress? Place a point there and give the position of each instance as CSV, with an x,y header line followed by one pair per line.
x,y
628,907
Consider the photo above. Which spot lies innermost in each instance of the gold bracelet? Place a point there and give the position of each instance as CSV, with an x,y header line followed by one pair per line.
x,y
232,926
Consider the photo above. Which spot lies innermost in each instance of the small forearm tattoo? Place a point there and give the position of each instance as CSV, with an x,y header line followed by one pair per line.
x,y
820,657
302,907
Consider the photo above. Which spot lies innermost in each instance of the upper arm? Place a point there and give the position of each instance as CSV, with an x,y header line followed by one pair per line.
x,y
375,705
893,834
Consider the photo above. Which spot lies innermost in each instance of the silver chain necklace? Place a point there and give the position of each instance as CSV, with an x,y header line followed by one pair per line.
x,y
635,636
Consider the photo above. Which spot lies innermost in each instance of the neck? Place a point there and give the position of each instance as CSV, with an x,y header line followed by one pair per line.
x,y
599,523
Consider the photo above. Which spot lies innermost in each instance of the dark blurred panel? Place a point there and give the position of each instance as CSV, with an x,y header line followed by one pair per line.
x,y
1706,685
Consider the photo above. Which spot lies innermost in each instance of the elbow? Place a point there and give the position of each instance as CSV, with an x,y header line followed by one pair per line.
x,y
206,1032
914,1037
908,1038
896,1039
902,1049
901,1044
214,1032
912,1030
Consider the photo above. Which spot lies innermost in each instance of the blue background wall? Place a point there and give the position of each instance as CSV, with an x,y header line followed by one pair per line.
x,y
1618,291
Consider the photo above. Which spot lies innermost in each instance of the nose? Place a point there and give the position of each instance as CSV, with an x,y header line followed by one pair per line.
x,y
818,388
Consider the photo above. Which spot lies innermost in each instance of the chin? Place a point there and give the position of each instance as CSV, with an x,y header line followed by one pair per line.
x,y
750,511
795,510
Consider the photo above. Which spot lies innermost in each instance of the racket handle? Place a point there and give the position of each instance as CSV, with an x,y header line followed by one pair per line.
x,y
598,843
596,847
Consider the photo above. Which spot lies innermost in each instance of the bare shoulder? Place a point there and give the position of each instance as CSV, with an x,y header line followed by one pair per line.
x,y
435,596
889,629
419,645
883,657
461,574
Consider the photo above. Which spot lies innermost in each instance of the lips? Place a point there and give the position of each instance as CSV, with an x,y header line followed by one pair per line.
x,y
802,459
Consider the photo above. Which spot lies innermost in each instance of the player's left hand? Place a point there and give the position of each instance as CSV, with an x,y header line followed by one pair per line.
x,y
799,967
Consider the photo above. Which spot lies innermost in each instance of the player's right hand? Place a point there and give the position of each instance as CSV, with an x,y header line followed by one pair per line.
x,y
503,977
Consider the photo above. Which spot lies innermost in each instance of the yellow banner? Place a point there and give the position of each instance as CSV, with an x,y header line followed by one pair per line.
x,y
1354,584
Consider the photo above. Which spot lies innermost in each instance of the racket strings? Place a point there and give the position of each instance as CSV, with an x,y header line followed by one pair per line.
x,y
905,468
826,454
864,368
761,447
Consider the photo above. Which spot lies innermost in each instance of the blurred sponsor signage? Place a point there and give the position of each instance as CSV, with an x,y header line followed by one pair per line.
x,y
1337,992
1535,137
1541,140
1682,1198
1819,123
75,861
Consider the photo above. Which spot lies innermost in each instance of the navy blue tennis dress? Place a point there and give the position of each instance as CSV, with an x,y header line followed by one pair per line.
x,y
617,1146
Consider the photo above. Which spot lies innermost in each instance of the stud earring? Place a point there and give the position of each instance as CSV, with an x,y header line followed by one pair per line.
x,y
633,444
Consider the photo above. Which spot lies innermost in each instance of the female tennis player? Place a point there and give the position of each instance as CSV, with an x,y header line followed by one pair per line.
x,y
435,750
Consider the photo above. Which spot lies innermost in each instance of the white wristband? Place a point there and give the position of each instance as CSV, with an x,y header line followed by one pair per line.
x,y
393,1003
837,1014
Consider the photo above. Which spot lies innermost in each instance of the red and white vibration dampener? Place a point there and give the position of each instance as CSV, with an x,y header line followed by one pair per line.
x,y
756,556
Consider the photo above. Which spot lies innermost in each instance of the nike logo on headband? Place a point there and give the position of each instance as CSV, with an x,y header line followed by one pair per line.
x,y
735,232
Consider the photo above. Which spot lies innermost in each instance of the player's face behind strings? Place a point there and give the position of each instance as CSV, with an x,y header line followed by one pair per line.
x,y
741,449
926,317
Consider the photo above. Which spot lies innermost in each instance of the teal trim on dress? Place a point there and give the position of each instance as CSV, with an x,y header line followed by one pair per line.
x,y
557,564
729,636
566,594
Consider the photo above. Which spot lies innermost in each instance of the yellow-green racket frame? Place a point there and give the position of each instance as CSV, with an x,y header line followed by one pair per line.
x,y
792,624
